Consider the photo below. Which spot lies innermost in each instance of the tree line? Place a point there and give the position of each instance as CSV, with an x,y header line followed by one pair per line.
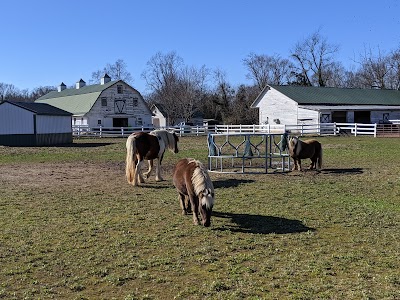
x,y
185,91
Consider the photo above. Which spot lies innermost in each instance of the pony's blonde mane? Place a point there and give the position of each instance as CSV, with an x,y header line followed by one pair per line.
x,y
201,181
166,136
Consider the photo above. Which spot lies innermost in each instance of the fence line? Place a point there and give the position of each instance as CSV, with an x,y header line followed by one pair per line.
x,y
302,129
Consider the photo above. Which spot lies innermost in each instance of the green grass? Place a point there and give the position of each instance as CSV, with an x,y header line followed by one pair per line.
x,y
72,227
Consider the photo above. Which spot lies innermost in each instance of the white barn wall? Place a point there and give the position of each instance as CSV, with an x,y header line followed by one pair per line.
x,y
274,105
15,120
107,113
310,116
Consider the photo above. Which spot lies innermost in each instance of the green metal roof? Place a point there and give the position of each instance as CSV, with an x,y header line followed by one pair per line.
x,y
76,101
339,96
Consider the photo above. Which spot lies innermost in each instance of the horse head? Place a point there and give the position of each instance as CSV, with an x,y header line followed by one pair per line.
x,y
206,200
293,140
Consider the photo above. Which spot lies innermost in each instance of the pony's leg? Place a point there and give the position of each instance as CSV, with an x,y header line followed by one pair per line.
x,y
182,201
195,209
158,170
295,166
147,174
299,163
138,174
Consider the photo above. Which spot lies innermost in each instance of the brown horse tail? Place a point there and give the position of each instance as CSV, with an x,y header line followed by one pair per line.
x,y
320,158
130,158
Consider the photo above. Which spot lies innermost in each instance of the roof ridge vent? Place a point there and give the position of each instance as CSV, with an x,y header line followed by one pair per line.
x,y
81,83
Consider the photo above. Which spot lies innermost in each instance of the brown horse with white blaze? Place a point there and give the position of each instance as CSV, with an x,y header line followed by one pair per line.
x,y
299,150
147,146
192,181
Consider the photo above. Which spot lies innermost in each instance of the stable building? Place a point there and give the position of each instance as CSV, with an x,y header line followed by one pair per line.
x,y
33,124
296,105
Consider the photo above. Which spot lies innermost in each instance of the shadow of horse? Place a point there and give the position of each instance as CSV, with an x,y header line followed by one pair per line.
x,y
261,224
230,183
343,171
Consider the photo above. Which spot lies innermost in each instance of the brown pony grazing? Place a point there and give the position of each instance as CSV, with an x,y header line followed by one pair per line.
x,y
192,181
299,150
149,146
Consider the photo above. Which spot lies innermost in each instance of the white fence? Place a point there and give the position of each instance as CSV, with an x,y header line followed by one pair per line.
x,y
317,129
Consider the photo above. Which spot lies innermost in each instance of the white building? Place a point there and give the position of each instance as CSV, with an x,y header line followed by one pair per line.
x,y
296,105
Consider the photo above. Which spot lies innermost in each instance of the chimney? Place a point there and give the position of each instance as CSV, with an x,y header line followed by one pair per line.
x,y
80,84
105,79
61,87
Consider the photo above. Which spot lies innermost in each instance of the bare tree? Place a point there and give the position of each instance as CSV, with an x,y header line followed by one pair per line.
x,y
223,95
191,88
162,77
374,70
264,69
314,58
394,74
117,71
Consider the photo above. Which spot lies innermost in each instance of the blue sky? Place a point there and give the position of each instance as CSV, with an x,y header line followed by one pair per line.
x,y
47,42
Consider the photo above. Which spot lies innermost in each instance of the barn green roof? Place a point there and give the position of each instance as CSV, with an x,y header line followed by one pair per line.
x,y
76,101
339,96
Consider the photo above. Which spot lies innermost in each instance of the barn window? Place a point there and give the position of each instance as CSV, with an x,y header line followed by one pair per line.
x,y
103,101
119,89
98,122
139,121
135,101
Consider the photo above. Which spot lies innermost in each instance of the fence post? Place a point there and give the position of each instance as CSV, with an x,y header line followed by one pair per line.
x,y
101,130
122,131
355,129
375,126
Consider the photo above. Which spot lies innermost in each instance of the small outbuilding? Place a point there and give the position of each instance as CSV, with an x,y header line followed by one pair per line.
x,y
34,124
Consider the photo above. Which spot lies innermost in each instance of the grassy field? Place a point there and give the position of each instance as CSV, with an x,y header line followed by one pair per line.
x,y
72,228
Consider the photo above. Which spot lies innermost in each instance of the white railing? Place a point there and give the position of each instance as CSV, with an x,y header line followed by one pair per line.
x,y
86,131
302,129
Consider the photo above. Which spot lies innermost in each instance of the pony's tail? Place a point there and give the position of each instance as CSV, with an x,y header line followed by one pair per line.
x,y
320,159
130,159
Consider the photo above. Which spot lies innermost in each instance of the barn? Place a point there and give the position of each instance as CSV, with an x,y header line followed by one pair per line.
x,y
107,104
296,105
33,124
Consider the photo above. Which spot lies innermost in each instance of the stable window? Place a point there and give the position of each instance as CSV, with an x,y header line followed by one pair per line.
x,y
139,121
98,122
135,101
120,89
325,118
103,101
385,118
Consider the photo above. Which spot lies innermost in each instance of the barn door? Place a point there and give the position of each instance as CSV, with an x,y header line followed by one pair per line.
x,y
120,122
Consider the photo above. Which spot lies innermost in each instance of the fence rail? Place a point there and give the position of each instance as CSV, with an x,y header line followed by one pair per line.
x,y
317,129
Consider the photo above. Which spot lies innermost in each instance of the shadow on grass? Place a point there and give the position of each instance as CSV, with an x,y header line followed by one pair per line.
x,y
261,224
82,145
230,183
343,171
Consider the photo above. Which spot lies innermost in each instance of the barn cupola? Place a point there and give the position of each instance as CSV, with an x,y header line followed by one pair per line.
x,y
105,79
80,83
61,87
